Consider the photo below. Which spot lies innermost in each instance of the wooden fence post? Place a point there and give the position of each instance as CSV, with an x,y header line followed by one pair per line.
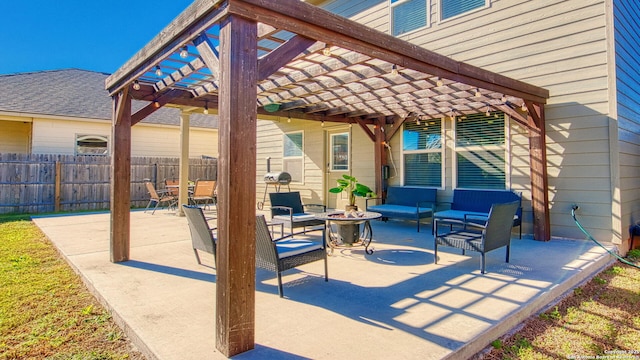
x,y
57,185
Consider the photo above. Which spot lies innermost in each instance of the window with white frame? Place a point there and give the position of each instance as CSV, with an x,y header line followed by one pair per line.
x,y
452,8
407,15
339,152
293,155
92,144
422,153
481,151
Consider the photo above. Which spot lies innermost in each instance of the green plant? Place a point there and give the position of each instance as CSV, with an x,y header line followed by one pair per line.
x,y
353,188
633,255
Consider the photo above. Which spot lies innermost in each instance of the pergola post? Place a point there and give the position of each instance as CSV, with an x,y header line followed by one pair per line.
x,y
539,178
183,190
235,272
380,157
120,177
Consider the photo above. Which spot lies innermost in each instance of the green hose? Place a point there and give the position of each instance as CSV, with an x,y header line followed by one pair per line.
x,y
623,260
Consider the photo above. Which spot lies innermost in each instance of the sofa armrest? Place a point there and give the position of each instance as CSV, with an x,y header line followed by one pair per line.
x,y
366,201
282,208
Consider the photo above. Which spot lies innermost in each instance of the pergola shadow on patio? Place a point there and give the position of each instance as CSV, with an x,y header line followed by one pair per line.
x,y
394,303
289,58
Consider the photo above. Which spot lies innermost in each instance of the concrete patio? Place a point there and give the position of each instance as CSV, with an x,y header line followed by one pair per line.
x,y
394,304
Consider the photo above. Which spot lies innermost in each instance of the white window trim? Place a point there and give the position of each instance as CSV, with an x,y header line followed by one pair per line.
x,y
78,136
331,136
427,14
301,157
442,152
487,4
506,147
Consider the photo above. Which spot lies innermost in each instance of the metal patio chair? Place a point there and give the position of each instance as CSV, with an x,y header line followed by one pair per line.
x,y
493,234
287,208
159,197
204,193
202,237
285,253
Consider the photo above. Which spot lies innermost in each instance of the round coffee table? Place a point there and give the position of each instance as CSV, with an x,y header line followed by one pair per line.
x,y
348,224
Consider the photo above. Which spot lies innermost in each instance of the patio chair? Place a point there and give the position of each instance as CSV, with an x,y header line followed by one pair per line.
x,y
202,237
285,253
159,197
171,185
204,192
287,208
493,234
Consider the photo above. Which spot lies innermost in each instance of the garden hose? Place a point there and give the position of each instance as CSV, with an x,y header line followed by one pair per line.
x,y
623,260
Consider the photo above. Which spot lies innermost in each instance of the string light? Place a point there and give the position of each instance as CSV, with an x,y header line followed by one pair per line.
x,y
156,103
487,113
158,70
478,94
289,118
206,107
503,99
327,50
439,82
523,107
184,52
322,123
394,70
136,85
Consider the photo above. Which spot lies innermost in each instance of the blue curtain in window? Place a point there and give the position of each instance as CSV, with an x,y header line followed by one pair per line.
x,y
451,8
408,16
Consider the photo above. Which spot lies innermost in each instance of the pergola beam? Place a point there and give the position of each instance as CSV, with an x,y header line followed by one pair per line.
x,y
316,23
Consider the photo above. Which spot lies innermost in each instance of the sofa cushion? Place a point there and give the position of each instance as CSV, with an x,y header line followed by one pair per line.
x,y
391,210
291,247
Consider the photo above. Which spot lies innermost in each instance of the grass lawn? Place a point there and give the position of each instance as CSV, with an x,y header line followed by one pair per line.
x,y
600,320
45,310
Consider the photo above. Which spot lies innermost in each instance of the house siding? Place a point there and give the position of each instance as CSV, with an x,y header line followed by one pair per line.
x,y
15,136
57,136
558,45
626,19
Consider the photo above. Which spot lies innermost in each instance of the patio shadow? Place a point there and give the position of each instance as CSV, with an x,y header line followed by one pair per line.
x,y
170,270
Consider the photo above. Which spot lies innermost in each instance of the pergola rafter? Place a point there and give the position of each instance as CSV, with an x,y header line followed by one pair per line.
x,y
288,58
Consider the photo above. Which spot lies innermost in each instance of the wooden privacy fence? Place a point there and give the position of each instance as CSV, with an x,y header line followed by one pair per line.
x,y
37,183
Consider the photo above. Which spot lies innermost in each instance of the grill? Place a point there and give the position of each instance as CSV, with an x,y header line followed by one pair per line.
x,y
276,179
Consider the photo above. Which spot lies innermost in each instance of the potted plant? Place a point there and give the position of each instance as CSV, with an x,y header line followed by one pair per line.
x,y
353,188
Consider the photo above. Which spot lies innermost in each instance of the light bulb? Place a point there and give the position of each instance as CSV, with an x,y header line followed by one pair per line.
x,y
158,70
289,119
136,85
439,82
478,94
523,107
206,108
184,52
487,113
156,103
327,50
322,123
394,70
503,99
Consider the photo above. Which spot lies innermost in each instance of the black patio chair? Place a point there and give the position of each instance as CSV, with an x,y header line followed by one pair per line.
x,y
493,234
286,252
287,208
202,237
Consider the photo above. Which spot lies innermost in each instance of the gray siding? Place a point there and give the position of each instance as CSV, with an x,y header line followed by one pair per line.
x,y
559,45
626,16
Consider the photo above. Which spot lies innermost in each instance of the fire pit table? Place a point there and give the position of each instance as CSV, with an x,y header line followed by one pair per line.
x,y
348,228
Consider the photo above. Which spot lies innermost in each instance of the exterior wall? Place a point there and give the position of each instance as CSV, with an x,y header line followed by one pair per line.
x,y
626,19
555,44
15,136
314,189
57,136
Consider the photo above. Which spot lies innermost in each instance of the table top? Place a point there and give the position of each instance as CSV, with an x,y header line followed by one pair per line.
x,y
339,216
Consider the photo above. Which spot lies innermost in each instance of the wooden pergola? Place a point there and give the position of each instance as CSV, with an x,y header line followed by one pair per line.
x,y
288,58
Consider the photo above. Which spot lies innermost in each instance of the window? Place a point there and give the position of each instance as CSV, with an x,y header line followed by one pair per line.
x,y
340,152
422,153
451,8
407,15
92,145
481,151
292,155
